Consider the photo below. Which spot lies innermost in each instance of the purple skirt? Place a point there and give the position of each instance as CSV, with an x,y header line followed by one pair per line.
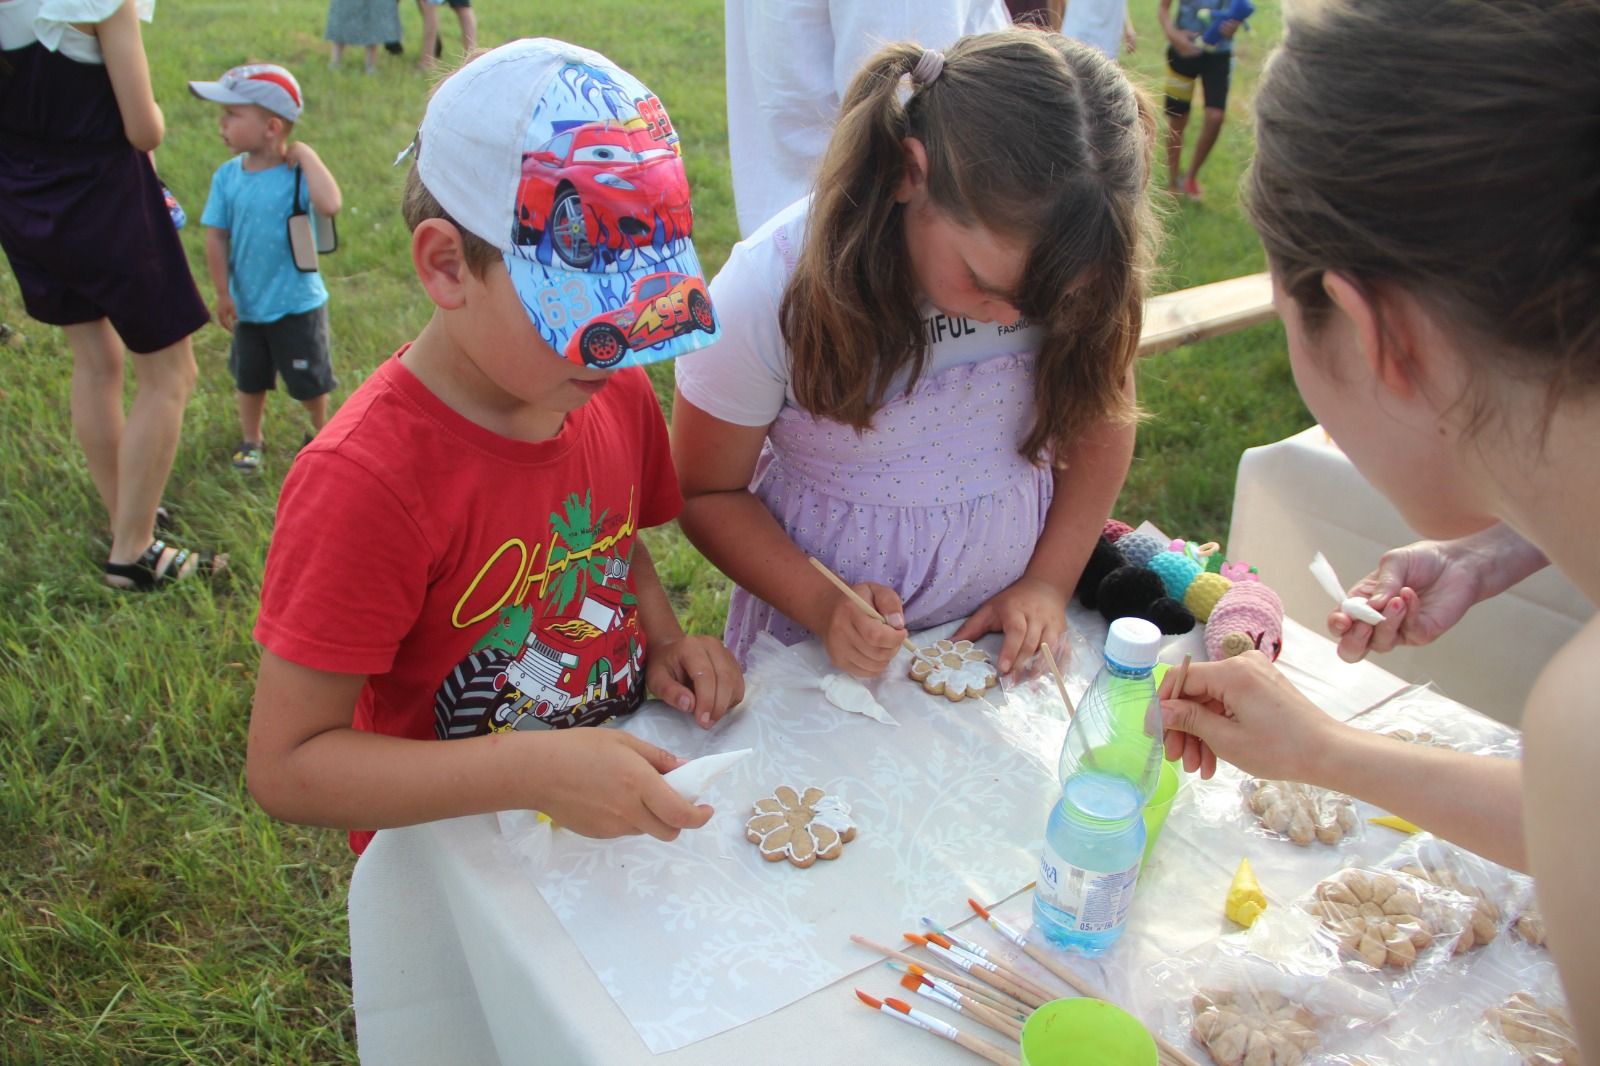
x,y
932,501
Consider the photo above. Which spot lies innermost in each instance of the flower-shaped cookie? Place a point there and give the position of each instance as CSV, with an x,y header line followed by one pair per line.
x,y
800,826
1301,812
1255,1027
954,669
1485,921
1379,917
1544,1036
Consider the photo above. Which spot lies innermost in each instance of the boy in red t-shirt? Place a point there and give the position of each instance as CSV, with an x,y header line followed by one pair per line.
x,y
456,555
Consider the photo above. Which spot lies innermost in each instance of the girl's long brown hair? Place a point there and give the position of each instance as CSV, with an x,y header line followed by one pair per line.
x,y
1029,135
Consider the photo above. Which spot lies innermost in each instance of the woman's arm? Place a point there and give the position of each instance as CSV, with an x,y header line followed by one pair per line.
x,y
733,529
1244,711
1561,750
122,47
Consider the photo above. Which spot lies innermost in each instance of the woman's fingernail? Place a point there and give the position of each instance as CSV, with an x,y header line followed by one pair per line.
x,y
684,702
897,619
1005,666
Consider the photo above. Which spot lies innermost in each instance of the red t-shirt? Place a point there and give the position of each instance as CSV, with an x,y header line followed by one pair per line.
x,y
480,583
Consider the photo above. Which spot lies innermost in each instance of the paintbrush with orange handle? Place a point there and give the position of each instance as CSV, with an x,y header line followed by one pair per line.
x,y
1078,984
978,990
977,968
988,958
948,995
900,1009
1010,1015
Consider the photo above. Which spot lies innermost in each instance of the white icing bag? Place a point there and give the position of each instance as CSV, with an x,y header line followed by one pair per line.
x,y
772,662
691,779
1355,606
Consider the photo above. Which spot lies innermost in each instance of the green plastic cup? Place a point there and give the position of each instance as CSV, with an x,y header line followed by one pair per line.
x,y
1085,1032
1155,811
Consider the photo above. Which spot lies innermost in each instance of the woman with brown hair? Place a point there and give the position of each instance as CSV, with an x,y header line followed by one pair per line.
x,y
925,379
1427,185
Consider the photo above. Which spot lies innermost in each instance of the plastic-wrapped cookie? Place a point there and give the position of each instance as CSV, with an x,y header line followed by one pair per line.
x,y
1543,1035
954,669
801,826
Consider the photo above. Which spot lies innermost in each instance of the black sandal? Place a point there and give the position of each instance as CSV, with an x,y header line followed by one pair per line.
x,y
146,573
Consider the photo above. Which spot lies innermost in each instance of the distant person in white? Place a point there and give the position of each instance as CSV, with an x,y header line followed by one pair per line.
x,y
1102,24
789,63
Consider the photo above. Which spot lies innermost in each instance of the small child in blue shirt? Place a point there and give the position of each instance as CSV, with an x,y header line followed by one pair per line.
x,y
277,313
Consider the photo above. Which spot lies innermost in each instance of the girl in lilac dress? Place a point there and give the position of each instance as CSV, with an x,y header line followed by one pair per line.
x,y
925,379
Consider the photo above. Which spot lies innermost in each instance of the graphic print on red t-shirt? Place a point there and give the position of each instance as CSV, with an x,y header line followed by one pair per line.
x,y
567,650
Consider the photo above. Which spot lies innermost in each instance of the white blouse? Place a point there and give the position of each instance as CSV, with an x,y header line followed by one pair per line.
x,y
51,23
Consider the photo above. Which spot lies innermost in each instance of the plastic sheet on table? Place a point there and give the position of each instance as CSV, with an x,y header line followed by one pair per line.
x,y
1421,715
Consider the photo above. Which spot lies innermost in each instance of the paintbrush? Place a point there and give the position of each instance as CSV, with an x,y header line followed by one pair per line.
x,y
985,972
980,991
1010,1015
855,597
902,1010
950,996
981,953
1073,981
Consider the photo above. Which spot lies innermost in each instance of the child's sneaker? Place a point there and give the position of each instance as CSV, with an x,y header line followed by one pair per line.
x,y
247,457
1192,190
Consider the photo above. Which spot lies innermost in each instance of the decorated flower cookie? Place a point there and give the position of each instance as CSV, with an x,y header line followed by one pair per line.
x,y
800,826
953,669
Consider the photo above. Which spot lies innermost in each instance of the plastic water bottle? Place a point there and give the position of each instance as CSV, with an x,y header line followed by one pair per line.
x,y
1110,763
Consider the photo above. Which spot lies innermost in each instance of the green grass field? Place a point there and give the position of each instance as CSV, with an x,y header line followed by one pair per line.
x,y
148,911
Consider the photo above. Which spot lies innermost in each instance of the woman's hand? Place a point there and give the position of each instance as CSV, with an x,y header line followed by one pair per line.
x,y
1421,590
1030,612
858,643
697,675
1242,710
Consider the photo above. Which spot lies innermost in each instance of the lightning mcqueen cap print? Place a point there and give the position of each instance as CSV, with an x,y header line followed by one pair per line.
x,y
571,167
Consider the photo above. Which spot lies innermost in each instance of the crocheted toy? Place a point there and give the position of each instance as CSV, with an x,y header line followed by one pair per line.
x,y
1176,583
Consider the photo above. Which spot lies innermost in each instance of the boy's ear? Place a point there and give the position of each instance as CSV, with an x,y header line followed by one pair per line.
x,y
1383,331
440,262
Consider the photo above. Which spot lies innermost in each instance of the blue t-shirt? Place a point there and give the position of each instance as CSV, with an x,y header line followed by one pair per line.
x,y
1189,18
254,207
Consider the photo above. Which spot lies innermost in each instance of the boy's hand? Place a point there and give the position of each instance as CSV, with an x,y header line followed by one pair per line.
x,y
295,151
858,643
697,675
1030,612
227,314
608,784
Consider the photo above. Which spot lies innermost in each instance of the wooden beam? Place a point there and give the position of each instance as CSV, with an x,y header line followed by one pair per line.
x,y
1190,315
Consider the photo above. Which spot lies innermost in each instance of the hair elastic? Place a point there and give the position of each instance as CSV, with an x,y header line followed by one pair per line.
x,y
929,65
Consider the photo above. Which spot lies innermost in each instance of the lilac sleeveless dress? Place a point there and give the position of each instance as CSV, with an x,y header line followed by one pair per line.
x,y
932,501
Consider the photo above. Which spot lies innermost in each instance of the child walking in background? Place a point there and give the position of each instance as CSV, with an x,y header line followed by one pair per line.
x,y
277,313
926,375
85,226
1189,59
457,556
431,45
368,23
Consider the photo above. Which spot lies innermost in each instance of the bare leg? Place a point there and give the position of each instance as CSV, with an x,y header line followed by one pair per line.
x,y
430,33
251,405
317,408
1207,139
338,54
97,404
469,30
1176,124
371,66
149,442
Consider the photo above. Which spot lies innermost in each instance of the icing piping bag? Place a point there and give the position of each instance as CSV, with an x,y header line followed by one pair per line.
x,y
1355,606
691,779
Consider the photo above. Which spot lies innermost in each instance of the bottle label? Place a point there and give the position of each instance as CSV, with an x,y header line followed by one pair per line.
x,y
1098,900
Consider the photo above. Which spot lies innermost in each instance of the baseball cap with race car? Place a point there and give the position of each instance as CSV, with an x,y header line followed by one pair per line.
x,y
570,167
264,84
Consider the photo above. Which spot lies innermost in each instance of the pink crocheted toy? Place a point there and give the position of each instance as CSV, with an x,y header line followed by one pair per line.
x,y
1248,617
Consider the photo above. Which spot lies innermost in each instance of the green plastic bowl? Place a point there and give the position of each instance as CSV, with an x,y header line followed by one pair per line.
x,y
1085,1032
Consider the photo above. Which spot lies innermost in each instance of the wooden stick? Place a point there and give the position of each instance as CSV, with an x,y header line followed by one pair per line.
x,y
1061,684
990,1017
980,991
855,597
950,1032
942,993
1177,693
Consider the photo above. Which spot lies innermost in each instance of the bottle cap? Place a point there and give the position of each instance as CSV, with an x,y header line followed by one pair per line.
x,y
1133,643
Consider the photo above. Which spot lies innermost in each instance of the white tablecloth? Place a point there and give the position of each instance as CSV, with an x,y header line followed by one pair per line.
x,y
458,957
1301,495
